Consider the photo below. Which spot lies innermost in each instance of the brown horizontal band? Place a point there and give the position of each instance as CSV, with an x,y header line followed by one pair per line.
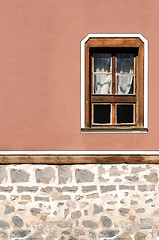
x,y
114,98
81,159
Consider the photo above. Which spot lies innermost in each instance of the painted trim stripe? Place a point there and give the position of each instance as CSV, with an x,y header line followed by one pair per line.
x,y
16,153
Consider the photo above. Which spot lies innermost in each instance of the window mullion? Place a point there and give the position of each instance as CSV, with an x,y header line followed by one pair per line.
x,y
136,93
113,73
113,87
113,114
91,88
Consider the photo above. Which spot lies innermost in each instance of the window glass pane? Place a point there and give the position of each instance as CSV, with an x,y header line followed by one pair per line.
x,y
125,84
102,84
102,62
101,113
125,63
125,113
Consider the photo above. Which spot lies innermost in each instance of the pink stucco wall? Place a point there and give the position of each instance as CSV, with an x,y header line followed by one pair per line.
x,y
40,71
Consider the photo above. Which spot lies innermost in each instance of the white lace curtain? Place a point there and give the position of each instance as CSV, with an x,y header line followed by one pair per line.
x,y
102,84
124,84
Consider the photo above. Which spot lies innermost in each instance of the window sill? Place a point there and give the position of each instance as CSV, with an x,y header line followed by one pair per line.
x,y
114,130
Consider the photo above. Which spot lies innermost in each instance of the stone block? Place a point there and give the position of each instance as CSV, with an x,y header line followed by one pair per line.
x,y
6,189
152,177
66,212
124,211
21,189
72,238
35,211
132,178
126,187
3,174
140,210
76,214
92,235
44,175
64,224
3,235
136,170
18,222
84,175
79,232
46,189
89,224
64,197
85,212
144,188
106,221
9,209
4,224
64,174
97,209
150,200
146,223
18,175
93,195
20,234
140,236
36,236
107,188
91,188
108,234
66,232
26,197
133,202
67,189
42,199
2,197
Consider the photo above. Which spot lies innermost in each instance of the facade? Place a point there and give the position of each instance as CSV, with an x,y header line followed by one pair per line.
x,y
58,180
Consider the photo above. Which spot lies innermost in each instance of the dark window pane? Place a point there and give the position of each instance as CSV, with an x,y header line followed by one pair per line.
x,y
125,63
101,113
125,113
102,62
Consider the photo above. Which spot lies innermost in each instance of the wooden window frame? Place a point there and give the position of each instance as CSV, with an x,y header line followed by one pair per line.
x,y
109,43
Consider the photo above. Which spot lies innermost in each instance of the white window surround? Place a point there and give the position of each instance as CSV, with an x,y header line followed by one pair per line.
x,y
145,41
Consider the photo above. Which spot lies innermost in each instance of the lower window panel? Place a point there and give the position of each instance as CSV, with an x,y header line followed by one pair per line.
x,y
101,113
124,113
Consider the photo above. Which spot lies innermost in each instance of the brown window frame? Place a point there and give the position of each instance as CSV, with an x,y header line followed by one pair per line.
x,y
114,45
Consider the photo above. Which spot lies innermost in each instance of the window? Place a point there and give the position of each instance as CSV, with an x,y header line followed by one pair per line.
x,y
114,83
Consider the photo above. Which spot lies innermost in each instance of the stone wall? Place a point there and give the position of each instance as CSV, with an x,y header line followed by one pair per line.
x,y
79,202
